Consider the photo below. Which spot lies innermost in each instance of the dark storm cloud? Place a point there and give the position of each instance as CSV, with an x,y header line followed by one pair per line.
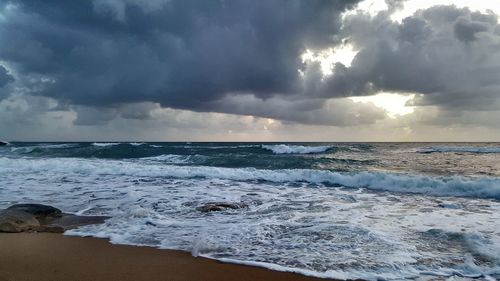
x,y
450,55
106,59
337,112
181,54
5,77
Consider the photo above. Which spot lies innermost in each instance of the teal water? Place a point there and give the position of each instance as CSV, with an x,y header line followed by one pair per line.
x,y
344,210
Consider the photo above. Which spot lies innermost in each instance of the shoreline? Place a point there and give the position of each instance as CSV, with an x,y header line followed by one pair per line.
x,y
54,257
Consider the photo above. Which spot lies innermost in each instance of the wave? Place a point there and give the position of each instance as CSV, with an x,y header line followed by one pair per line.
x,y
137,143
470,149
295,149
105,144
171,158
41,147
485,187
56,146
401,273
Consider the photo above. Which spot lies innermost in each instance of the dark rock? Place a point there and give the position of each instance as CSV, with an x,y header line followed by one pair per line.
x,y
41,212
15,221
42,218
220,206
3,143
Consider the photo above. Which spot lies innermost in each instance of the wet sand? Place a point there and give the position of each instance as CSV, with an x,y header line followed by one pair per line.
x,y
54,257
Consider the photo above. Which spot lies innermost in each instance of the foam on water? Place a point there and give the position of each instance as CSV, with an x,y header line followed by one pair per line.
x,y
105,144
171,158
369,224
485,187
316,230
295,149
42,146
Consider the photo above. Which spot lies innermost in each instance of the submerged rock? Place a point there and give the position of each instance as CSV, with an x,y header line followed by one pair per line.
x,y
70,221
41,218
220,206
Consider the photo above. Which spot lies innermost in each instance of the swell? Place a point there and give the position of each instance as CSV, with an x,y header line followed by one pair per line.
x,y
125,150
296,149
484,187
466,149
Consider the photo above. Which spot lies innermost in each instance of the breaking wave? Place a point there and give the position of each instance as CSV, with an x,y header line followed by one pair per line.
x,y
295,149
484,187
104,144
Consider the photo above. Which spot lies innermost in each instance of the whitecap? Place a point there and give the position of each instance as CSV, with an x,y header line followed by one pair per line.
x,y
295,149
105,144
170,158
481,187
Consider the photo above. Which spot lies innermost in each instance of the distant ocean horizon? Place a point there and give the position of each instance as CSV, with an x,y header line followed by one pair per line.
x,y
370,210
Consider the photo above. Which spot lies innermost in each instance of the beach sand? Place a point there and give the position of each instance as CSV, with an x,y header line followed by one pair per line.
x,y
54,257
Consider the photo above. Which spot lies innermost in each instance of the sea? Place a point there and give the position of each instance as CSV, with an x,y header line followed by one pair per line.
x,y
374,211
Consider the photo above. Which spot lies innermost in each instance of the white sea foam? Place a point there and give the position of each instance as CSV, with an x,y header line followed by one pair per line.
x,y
190,146
293,222
105,144
469,149
171,158
485,187
31,148
137,143
56,146
403,273
295,149
23,149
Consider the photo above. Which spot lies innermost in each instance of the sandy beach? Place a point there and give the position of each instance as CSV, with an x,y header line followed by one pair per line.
x,y
54,257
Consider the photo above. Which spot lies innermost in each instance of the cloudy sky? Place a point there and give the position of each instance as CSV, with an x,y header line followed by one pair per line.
x,y
240,70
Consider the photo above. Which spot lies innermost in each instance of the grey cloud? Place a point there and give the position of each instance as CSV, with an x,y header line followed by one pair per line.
x,y
92,116
450,55
141,111
108,59
466,29
181,54
5,77
333,112
394,4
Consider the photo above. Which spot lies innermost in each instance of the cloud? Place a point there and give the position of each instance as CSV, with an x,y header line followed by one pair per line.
x,y
162,62
450,55
332,112
5,77
181,54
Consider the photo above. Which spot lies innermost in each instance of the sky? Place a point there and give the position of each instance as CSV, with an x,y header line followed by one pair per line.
x,y
239,70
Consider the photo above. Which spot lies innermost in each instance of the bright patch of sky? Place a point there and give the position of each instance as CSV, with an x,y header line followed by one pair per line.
x,y
394,104
411,6
327,58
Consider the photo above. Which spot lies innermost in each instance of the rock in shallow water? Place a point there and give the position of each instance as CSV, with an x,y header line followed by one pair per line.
x,y
41,218
15,221
38,210
220,206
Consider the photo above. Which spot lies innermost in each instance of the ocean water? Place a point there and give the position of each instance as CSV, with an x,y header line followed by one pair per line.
x,y
377,211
